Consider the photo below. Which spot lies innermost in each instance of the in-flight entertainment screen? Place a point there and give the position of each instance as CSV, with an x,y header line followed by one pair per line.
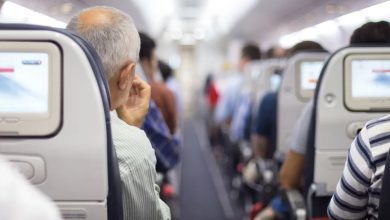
x,y
310,71
24,83
370,78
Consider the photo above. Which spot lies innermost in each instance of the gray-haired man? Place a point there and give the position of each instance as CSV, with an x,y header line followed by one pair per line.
x,y
115,38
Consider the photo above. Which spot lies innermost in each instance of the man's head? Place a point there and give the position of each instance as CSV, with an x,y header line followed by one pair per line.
x,y
306,46
148,57
275,52
165,69
249,53
115,38
372,33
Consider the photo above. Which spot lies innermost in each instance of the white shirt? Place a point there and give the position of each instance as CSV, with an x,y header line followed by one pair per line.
x,y
137,166
19,200
301,129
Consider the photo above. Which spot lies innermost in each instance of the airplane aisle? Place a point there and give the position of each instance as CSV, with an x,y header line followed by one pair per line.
x,y
202,192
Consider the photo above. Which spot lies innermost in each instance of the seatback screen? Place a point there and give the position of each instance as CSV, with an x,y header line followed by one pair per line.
x,y
24,83
370,78
310,71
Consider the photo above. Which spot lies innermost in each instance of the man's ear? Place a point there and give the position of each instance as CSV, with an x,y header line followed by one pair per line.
x,y
126,76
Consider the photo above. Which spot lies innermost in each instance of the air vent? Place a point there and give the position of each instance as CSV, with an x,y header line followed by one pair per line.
x,y
74,214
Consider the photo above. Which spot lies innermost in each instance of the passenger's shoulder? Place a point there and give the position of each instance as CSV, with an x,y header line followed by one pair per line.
x,y
376,131
379,122
131,143
270,97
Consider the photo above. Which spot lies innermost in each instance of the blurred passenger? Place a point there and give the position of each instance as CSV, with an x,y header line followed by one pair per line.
x,y
372,33
264,135
172,83
275,52
115,38
211,92
291,173
264,130
161,95
358,191
165,144
19,200
230,95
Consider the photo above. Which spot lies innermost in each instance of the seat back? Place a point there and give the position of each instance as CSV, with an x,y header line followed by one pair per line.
x,y
297,88
264,78
76,165
335,121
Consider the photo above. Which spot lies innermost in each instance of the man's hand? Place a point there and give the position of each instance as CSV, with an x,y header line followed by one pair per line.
x,y
136,108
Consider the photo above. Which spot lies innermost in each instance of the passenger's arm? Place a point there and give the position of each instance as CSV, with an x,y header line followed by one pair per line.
x,y
140,192
291,171
136,108
224,109
259,145
262,128
166,146
171,118
350,200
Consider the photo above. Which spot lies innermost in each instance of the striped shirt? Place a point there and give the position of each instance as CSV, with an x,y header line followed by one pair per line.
x,y
137,163
358,191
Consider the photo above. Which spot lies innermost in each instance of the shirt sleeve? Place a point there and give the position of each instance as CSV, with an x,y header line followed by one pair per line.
x,y
301,130
141,193
166,146
223,109
263,121
350,200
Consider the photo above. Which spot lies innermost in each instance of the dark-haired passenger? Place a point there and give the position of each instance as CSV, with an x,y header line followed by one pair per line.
x,y
230,95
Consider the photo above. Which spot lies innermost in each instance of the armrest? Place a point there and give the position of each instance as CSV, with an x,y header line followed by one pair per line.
x,y
296,204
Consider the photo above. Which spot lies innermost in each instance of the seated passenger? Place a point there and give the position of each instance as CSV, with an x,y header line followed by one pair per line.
x,y
275,52
264,129
172,83
358,191
160,123
264,140
19,200
228,102
115,38
161,95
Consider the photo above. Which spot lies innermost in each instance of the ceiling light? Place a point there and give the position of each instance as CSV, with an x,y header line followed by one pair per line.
x,y
66,8
199,33
176,34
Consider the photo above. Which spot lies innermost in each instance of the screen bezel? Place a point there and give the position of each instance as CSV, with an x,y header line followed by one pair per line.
x,y
362,104
304,94
32,124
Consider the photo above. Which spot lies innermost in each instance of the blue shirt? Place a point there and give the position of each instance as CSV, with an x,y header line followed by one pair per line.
x,y
166,146
265,123
229,99
240,118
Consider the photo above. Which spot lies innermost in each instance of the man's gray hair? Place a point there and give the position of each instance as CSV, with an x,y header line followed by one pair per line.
x,y
116,41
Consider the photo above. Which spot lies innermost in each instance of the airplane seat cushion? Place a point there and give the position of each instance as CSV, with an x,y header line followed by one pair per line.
x,y
114,199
